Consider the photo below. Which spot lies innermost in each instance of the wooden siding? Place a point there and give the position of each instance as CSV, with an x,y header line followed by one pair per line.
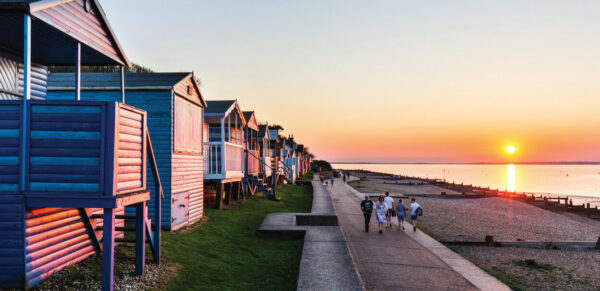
x,y
159,124
187,129
56,238
11,241
10,116
130,155
65,149
87,27
188,89
11,78
187,182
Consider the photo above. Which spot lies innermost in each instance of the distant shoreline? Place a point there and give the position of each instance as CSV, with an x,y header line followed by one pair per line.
x,y
478,163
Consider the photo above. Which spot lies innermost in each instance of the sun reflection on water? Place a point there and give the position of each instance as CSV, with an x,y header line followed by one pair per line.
x,y
511,180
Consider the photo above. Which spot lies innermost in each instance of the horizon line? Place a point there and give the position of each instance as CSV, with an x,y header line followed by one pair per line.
x,y
477,163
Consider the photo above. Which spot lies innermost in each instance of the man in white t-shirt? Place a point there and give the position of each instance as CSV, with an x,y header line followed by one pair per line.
x,y
414,206
388,202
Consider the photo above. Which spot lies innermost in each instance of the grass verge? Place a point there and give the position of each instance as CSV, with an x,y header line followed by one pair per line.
x,y
224,252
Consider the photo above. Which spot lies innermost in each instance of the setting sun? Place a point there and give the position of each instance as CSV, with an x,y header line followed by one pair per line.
x,y
511,149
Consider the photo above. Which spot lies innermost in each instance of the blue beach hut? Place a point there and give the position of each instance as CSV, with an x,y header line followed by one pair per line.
x,y
175,108
67,168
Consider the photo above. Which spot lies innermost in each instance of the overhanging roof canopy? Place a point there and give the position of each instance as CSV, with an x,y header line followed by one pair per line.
x,y
56,28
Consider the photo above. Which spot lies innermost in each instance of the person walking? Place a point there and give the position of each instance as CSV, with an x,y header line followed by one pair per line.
x,y
332,179
415,211
389,205
400,213
367,208
380,212
344,177
322,179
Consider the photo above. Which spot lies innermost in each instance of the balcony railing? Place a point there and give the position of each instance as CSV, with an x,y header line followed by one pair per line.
x,y
81,152
217,154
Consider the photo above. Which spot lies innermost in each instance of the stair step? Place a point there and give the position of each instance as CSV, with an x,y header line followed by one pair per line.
x,y
116,216
119,228
129,240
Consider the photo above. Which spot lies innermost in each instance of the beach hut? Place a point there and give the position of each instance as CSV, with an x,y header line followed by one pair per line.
x,y
67,168
251,145
255,166
289,159
300,159
224,125
175,107
264,145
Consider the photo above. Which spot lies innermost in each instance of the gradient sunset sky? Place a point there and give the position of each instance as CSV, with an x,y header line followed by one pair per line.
x,y
390,81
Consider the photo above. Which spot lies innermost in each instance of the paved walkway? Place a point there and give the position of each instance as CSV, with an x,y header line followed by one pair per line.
x,y
392,260
326,263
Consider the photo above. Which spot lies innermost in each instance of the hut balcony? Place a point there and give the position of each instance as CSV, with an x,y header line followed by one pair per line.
x,y
78,154
223,160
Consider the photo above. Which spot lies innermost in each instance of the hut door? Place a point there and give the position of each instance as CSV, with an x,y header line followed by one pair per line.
x,y
180,209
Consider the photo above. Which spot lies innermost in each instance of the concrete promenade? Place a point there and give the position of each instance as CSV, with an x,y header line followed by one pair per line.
x,y
326,263
395,260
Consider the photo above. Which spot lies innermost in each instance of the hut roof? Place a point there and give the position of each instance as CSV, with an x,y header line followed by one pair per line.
x,y
51,27
91,81
263,129
219,106
133,81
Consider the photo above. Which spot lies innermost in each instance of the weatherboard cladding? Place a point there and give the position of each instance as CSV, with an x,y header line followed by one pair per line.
x,y
56,238
11,78
177,185
11,240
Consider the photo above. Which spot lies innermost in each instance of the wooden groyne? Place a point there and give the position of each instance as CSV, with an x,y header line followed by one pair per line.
x,y
553,202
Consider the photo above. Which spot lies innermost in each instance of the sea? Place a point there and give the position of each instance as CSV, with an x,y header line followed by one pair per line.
x,y
580,182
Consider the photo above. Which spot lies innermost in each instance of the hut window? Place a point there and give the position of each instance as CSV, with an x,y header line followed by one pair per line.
x,y
189,90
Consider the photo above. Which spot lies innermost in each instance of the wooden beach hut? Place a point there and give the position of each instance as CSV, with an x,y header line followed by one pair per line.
x,y
224,125
255,178
175,107
264,145
67,168
251,145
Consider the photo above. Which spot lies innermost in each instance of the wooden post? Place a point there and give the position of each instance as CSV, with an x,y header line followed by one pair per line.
x,y
122,84
227,193
238,190
489,239
220,195
141,212
26,96
108,249
598,243
78,72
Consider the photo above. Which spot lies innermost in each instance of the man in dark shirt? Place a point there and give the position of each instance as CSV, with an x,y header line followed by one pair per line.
x,y
367,208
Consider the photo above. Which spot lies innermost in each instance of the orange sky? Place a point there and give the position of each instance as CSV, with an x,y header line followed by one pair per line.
x,y
391,81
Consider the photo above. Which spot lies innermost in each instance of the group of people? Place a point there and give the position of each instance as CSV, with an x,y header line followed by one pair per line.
x,y
385,209
345,177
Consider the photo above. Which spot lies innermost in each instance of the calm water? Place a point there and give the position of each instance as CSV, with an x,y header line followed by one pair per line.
x,y
581,182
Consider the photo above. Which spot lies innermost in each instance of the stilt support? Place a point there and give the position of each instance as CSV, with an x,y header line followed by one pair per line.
x,y
108,249
141,212
220,195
